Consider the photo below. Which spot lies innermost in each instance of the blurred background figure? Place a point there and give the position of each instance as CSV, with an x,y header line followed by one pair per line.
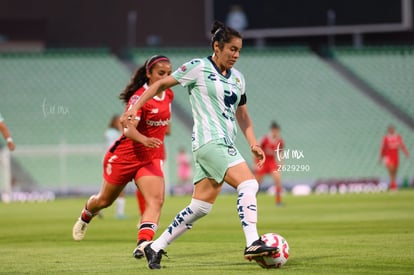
x,y
272,145
112,133
236,18
184,173
6,134
5,161
391,144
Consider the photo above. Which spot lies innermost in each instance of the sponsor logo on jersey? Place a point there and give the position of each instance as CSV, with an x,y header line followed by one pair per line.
x,y
212,77
183,68
229,98
158,123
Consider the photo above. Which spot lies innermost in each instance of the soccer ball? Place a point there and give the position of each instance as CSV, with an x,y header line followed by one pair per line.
x,y
278,259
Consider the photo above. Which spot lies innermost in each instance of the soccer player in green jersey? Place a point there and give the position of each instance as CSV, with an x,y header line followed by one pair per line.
x,y
218,101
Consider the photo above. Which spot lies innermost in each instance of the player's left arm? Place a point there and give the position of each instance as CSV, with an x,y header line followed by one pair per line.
x,y
6,134
403,148
246,126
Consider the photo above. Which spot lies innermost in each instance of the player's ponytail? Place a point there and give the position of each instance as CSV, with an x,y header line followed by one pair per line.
x,y
222,34
140,77
137,81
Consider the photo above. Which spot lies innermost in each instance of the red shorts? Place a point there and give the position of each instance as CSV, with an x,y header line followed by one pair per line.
x,y
120,171
268,168
390,161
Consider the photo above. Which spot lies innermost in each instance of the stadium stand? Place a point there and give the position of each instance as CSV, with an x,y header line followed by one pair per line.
x,y
57,99
337,128
65,99
388,69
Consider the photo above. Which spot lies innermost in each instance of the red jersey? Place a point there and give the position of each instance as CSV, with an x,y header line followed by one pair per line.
x,y
390,146
154,117
270,147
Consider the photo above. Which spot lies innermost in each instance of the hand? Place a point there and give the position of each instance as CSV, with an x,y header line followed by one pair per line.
x,y
259,154
151,142
11,145
127,117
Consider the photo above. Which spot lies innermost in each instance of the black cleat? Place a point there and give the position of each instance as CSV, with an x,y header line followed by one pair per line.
x,y
153,258
259,249
138,253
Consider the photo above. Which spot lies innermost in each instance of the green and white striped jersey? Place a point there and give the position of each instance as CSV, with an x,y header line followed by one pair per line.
x,y
214,99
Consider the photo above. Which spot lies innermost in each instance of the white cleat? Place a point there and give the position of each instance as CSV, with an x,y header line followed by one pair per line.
x,y
139,250
79,230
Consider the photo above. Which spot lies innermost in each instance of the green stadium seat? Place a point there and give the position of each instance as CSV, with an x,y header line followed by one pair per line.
x,y
68,98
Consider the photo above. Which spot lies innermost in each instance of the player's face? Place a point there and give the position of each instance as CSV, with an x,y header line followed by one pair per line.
x,y
227,57
159,70
275,132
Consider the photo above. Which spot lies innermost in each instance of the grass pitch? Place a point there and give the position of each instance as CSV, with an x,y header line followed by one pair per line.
x,y
327,234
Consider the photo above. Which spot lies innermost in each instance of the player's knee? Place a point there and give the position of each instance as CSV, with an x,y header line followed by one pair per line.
x,y
102,202
105,203
155,202
200,208
248,186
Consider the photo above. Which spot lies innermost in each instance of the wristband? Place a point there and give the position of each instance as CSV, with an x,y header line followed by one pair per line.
x,y
9,140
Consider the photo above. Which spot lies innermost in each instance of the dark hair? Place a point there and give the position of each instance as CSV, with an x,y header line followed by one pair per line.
x,y
274,125
140,77
222,34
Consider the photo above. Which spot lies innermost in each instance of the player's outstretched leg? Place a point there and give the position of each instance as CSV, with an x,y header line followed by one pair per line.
x,y
79,230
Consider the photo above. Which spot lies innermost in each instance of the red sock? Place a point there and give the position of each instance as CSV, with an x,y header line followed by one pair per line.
x,y
86,215
141,201
393,185
147,231
278,195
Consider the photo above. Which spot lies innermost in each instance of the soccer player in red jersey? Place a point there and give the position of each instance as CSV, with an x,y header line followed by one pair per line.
x,y
272,145
391,144
138,154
